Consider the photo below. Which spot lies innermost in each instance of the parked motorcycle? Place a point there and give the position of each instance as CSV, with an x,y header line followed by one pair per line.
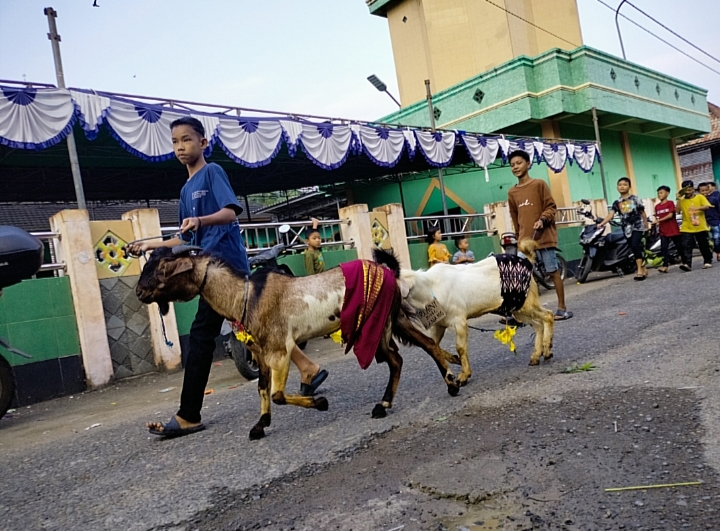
x,y
602,252
653,249
21,256
508,241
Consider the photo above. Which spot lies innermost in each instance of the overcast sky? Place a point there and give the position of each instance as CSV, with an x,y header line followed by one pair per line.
x,y
286,55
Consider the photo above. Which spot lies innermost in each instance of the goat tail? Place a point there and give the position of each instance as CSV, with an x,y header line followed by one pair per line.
x,y
528,248
387,258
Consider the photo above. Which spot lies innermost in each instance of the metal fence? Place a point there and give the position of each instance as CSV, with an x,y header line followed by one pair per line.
x,y
50,240
259,237
568,216
451,225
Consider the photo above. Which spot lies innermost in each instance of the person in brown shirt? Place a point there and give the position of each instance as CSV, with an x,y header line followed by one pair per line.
x,y
532,209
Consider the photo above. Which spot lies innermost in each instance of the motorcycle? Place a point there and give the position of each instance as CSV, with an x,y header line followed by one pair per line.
x,y
227,343
508,241
653,249
21,256
602,252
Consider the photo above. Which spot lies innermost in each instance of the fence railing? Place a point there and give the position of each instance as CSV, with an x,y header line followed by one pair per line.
x,y
259,237
53,264
568,216
451,225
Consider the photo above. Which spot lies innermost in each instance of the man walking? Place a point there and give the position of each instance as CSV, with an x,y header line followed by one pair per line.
x,y
532,209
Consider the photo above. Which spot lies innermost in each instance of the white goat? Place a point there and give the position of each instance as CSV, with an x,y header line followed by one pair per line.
x,y
468,291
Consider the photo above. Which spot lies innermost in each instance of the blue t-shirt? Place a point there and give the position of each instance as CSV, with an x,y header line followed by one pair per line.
x,y
712,215
208,192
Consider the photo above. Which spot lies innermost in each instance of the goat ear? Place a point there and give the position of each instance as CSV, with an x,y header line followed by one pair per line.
x,y
404,288
175,267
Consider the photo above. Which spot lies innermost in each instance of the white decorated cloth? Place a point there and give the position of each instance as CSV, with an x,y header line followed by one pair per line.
x,y
326,144
438,146
250,143
34,118
92,110
383,146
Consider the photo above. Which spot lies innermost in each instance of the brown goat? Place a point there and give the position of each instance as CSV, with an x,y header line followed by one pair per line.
x,y
279,311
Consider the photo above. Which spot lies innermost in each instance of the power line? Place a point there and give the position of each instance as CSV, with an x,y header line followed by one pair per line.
x,y
611,8
531,23
674,33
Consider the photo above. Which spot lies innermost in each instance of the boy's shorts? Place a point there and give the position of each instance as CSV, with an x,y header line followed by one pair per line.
x,y
549,260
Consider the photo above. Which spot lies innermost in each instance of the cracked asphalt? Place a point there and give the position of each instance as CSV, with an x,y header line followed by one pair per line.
x,y
520,448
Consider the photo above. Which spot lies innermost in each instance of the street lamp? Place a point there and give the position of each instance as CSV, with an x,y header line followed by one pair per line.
x,y
382,87
617,25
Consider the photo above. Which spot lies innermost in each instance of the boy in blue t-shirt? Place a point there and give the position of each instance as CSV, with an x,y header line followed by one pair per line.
x,y
208,217
463,255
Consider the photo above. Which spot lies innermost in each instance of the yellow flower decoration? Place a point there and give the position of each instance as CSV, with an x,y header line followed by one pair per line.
x,y
506,336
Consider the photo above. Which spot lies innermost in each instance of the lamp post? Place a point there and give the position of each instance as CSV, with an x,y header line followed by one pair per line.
x,y
617,25
382,87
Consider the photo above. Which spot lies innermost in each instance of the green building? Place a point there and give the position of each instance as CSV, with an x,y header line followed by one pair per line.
x,y
642,114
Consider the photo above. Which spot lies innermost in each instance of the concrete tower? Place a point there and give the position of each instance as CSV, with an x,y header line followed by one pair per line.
x,y
448,41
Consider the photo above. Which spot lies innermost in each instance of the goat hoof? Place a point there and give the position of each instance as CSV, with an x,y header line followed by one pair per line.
x,y
320,403
462,383
534,362
379,412
453,390
548,357
258,432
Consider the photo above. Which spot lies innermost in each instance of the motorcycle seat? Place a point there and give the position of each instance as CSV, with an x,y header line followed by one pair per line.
x,y
614,237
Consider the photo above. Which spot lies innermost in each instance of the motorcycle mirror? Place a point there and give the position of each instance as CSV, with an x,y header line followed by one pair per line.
x,y
585,201
284,229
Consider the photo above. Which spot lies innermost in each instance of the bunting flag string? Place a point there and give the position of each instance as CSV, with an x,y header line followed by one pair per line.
x,y
37,118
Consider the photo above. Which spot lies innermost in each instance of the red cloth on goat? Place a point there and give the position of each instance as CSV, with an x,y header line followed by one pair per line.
x,y
369,293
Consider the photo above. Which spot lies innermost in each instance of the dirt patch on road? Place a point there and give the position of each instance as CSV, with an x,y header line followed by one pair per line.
x,y
527,466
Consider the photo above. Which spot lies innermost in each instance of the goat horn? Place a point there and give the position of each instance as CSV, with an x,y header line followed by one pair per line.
x,y
179,250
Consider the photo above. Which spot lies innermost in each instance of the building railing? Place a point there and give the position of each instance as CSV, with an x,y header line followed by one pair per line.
x,y
568,216
260,237
53,265
451,226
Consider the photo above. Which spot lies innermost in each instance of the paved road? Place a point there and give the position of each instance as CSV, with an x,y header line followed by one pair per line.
x,y
655,344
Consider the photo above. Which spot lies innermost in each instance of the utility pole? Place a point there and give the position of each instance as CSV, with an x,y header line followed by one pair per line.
x,y
72,147
440,172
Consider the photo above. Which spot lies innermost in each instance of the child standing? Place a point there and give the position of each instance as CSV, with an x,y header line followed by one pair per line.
x,y
667,224
712,215
634,223
694,227
437,252
464,255
314,262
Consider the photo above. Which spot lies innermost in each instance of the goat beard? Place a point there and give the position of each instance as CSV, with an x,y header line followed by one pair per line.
x,y
164,307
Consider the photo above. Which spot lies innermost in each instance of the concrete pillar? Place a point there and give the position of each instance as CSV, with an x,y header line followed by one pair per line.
x,y
145,224
627,158
76,250
358,229
501,222
398,233
676,163
559,183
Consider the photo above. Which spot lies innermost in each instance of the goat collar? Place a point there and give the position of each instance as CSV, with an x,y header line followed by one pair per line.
x,y
245,300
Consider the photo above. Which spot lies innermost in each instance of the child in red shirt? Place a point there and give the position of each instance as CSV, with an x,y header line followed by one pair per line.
x,y
669,230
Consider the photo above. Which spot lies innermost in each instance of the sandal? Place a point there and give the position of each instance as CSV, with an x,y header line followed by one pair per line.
x,y
639,277
562,315
662,269
171,429
311,388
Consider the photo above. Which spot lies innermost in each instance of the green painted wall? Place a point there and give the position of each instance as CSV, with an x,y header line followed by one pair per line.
x,y
37,317
557,82
652,163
